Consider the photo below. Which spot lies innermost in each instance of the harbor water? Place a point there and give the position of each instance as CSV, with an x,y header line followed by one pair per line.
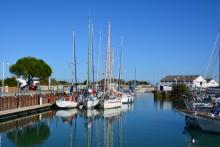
x,y
147,122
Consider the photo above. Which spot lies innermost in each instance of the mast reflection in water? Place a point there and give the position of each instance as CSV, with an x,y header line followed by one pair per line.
x,y
95,127
147,122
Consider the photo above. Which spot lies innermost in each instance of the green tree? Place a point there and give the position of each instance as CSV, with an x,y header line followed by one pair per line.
x,y
11,82
178,90
136,82
84,82
64,83
30,67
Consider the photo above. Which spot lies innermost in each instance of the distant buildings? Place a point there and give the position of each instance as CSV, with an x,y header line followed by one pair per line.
x,y
192,81
211,83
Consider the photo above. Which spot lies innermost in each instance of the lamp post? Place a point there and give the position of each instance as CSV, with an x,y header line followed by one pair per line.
x,y
7,68
49,83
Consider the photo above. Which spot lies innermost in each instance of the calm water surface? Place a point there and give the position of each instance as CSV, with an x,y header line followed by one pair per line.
x,y
148,122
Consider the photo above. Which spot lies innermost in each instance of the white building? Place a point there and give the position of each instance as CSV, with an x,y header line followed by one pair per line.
x,y
211,83
192,81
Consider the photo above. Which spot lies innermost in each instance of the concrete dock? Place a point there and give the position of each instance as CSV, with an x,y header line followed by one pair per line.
x,y
24,111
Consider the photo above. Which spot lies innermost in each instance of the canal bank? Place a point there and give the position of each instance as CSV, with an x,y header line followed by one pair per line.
x,y
25,104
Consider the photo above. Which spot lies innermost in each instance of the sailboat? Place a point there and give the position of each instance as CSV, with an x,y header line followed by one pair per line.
x,y
67,102
126,96
70,101
207,114
210,121
90,99
111,96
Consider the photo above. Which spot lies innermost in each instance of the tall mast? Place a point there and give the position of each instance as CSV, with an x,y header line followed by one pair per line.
x,y
92,49
74,58
89,50
219,67
100,46
212,53
121,59
111,65
108,60
135,78
109,53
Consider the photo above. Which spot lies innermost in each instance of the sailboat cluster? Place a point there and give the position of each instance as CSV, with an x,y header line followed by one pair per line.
x,y
203,110
106,94
203,106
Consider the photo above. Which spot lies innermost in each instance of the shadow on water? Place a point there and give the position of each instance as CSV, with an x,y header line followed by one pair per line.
x,y
196,137
30,135
163,103
28,131
174,102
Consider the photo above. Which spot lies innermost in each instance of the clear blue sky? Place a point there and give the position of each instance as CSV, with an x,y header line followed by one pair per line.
x,y
160,36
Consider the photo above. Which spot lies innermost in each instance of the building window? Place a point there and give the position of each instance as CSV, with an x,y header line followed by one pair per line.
x,y
200,83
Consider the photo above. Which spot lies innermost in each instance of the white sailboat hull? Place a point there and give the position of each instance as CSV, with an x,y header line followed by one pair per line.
x,y
125,99
66,104
89,104
208,124
110,103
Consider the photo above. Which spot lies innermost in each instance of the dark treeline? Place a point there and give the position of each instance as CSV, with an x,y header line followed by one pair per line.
x,y
122,82
136,82
11,82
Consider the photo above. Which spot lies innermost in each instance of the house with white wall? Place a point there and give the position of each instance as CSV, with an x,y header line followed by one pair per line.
x,y
192,81
212,83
